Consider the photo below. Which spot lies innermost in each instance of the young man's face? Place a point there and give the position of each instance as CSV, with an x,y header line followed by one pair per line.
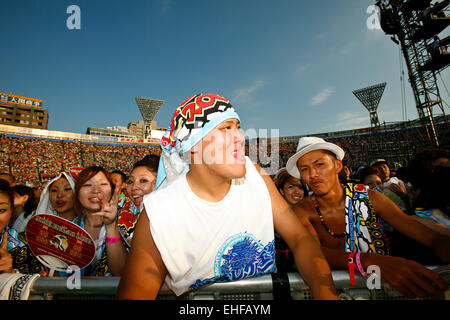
x,y
383,171
319,170
223,150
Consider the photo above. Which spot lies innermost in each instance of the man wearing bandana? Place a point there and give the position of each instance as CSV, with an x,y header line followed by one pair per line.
x,y
213,214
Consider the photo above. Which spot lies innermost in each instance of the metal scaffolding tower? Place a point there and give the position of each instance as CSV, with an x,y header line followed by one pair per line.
x,y
149,109
370,98
415,25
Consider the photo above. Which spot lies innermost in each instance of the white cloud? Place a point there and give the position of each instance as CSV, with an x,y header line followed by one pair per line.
x,y
245,95
346,121
322,96
350,118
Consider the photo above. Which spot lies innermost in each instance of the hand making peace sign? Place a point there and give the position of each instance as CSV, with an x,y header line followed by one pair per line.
x,y
108,209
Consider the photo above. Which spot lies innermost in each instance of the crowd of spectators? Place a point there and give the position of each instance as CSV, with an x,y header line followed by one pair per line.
x,y
34,161
398,147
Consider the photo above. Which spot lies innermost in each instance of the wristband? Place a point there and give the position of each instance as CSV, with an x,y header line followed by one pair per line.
x,y
112,239
360,267
351,267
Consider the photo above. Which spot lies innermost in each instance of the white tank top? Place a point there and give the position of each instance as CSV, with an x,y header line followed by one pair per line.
x,y
203,242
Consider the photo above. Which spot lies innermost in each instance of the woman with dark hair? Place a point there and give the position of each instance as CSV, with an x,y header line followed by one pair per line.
x,y
6,209
140,183
291,188
15,255
142,178
369,176
293,191
24,207
96,208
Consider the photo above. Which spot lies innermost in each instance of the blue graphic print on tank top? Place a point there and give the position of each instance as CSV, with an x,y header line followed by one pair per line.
x,y
241,256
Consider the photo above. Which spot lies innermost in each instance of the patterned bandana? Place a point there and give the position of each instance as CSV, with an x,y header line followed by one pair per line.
x,y
193,119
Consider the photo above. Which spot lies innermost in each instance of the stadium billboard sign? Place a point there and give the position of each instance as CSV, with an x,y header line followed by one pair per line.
x,y
20,100
133,140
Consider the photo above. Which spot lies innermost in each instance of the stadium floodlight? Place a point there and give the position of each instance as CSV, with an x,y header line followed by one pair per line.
x,y
370,98
149,109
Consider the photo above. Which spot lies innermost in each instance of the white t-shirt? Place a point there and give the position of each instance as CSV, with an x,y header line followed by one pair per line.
x,y
203,242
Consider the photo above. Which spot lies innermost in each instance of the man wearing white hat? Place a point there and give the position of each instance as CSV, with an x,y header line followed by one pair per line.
x,y
345,220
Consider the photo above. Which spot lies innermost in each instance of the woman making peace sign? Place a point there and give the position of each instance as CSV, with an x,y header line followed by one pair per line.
x,y
96,208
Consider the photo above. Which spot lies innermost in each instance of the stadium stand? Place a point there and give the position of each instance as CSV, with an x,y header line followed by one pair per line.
x,y
35,159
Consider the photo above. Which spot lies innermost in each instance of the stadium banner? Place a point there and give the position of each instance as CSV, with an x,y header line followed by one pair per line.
x,y
41,133
24,101
157,134
363,130
133,140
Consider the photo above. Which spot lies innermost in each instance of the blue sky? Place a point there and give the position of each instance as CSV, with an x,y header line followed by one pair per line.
x,y
289,65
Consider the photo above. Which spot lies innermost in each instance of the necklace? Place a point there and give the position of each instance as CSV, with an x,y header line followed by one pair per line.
x,y
322,221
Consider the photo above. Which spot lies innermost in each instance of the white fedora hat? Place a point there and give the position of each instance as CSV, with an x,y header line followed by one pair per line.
x,y
308,144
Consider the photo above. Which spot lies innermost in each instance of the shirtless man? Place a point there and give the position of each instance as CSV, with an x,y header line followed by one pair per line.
x,y
214,219
318,163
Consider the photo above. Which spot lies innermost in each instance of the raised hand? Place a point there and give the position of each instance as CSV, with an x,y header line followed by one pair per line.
x,y
398,190
109,208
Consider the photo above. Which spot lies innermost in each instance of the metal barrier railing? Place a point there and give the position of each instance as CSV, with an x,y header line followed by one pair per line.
x,y
267,287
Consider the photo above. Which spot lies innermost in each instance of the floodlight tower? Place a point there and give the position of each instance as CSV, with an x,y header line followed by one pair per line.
x,y
149,109
370,98
414,25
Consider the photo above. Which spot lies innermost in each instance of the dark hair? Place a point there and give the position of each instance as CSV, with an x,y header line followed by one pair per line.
x,y
421,165
7,190
366,171
402,174
150,161
11,176
121,173
84,176
282,179
30,204
434,193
